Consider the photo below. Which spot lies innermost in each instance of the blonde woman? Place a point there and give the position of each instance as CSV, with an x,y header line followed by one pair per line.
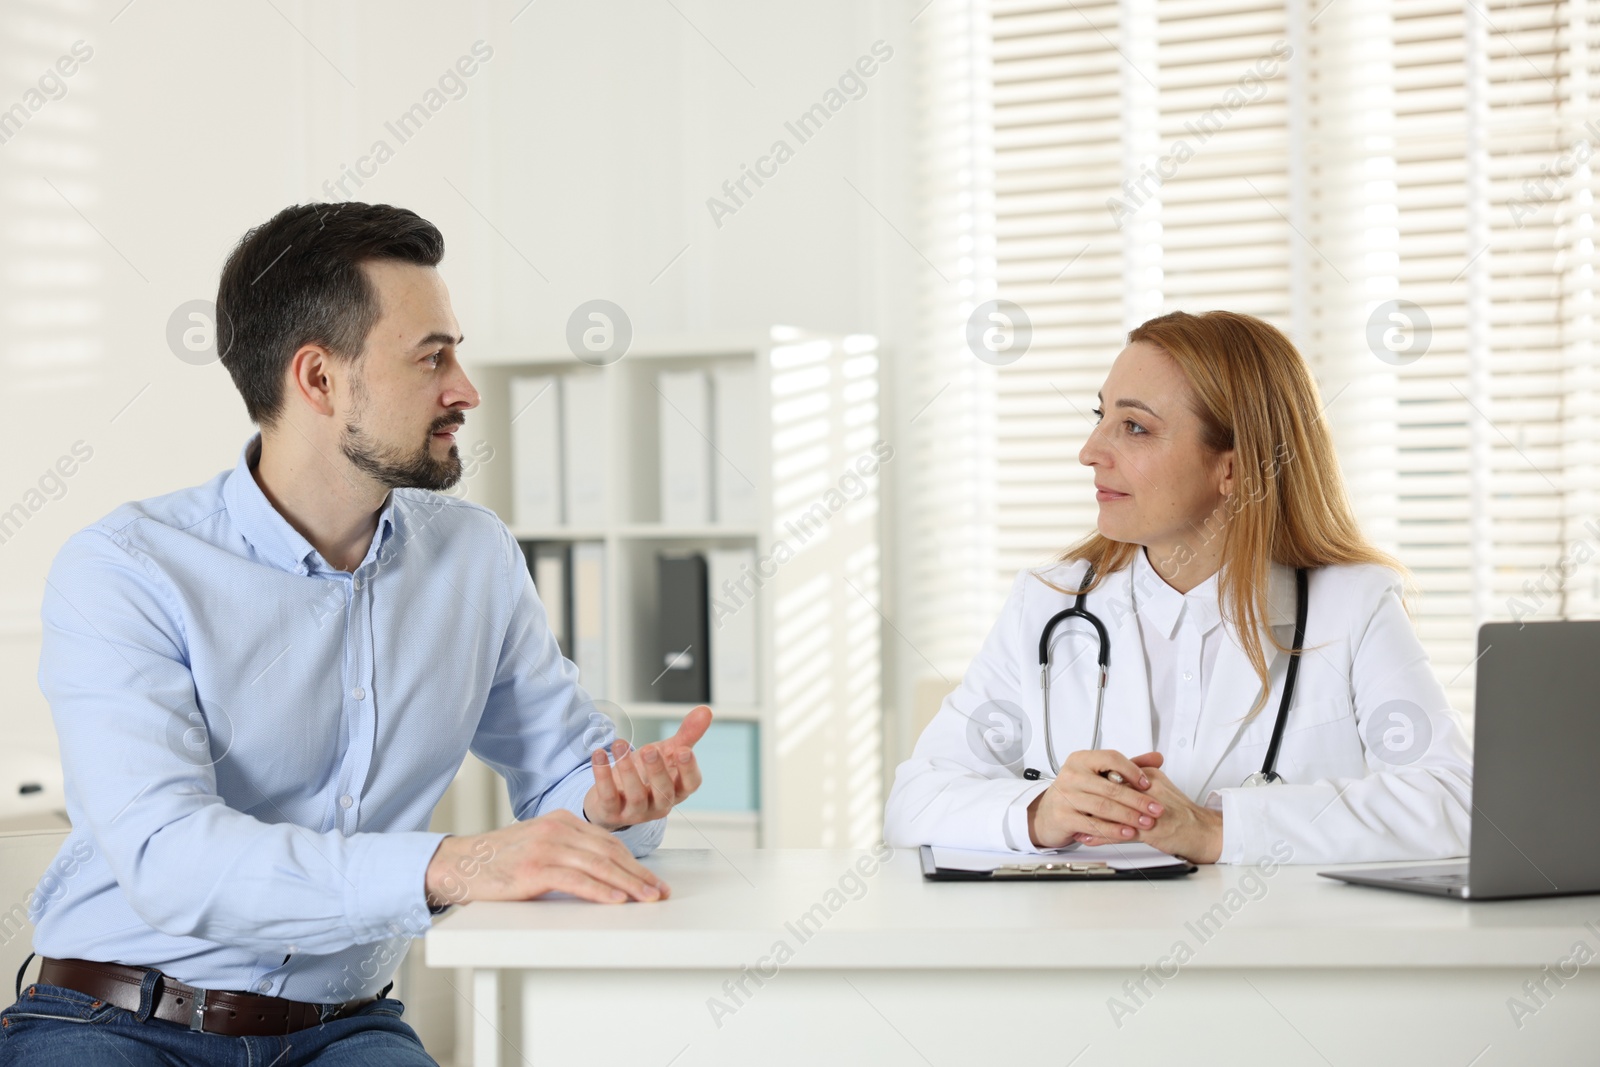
x,y
1220,501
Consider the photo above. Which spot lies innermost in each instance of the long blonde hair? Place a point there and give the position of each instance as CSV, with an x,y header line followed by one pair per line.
x,y
1254,395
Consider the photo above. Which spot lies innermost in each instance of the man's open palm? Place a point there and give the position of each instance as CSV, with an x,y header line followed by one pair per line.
x,y
641,784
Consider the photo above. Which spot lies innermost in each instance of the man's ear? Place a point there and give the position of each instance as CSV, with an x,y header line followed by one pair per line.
x,y
311,373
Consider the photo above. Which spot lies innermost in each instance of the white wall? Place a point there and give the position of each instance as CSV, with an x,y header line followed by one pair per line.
x,y
586,146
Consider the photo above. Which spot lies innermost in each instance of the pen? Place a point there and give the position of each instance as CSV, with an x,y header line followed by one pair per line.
x,y
1033,775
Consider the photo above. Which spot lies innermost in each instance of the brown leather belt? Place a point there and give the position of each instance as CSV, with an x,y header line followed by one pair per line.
x,y
214,1011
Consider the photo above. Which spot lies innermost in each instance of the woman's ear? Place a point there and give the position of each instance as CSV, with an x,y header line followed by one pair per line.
x,y
1225,473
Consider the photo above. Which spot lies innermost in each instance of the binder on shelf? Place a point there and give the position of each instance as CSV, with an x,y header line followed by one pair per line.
x,y
681,629
536,451
685,427
585,448
735,432
551,566
588,616
730,575
730,754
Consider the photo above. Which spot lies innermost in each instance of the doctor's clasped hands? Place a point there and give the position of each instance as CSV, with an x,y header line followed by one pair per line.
x,y
1084,806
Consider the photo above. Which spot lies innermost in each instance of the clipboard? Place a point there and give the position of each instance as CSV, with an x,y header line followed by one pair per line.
x,y
1049,869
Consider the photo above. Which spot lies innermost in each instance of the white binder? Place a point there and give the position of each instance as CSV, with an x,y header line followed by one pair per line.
x,y
536,452
550,563
586,448
738,455
685,423
589,616
732,624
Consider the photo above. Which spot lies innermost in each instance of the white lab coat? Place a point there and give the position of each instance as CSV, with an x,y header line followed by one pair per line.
x,y
1356,790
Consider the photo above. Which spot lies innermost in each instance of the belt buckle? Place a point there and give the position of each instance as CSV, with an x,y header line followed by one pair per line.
x,y
197,1011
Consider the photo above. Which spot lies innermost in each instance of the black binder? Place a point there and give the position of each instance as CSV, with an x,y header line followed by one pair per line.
x,y
1054,868
684,646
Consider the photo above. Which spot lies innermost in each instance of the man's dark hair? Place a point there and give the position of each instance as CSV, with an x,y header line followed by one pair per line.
x,y
296,280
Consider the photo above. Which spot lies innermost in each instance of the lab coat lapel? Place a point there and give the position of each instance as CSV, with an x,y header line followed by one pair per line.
x,y
1234,687
1125,719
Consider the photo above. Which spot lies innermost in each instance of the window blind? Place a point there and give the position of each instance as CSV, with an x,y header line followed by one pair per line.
x,y
1404,186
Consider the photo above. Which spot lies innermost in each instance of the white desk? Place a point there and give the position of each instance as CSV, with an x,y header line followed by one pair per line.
x,y
1290,969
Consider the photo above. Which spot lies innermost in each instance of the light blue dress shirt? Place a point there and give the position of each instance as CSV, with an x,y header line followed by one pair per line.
x,y
254,742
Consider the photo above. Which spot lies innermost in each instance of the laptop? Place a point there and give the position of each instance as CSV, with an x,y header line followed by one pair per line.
x,y
1535,790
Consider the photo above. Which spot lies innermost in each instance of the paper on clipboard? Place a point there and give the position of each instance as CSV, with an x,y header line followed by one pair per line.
x,y
1130,857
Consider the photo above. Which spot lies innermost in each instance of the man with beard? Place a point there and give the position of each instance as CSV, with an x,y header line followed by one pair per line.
x,y
262,686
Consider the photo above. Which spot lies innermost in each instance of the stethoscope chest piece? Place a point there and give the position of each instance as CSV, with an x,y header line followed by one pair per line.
x,y
1263,778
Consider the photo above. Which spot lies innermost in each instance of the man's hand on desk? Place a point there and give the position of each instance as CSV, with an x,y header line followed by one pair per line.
x,y
643,784
561,852
550,853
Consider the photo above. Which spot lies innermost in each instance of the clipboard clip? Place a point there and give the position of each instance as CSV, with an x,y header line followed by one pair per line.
x,y
1053,868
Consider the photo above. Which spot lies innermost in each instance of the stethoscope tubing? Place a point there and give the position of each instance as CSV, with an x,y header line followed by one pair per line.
x,y
1103,658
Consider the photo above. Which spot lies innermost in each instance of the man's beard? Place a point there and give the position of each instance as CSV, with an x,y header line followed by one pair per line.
x,y
395,468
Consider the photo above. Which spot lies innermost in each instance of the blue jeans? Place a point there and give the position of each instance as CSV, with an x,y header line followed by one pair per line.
x,y
50,1026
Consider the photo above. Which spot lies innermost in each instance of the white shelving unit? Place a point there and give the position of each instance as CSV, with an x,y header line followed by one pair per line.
x,y
817,545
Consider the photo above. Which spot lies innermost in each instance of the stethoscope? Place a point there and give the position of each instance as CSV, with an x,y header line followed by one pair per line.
x,y
1267,775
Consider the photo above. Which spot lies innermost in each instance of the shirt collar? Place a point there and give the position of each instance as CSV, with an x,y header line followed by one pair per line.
x,y
268,532
1163,606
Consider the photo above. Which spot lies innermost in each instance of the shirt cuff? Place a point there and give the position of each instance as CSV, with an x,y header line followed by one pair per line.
x,y
1015,824
643,838
1236,831
590,821
386,892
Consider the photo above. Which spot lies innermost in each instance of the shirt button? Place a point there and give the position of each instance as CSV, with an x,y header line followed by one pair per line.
x,y
263,985
346,800
1188,677
358,583
1183,742
360,693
